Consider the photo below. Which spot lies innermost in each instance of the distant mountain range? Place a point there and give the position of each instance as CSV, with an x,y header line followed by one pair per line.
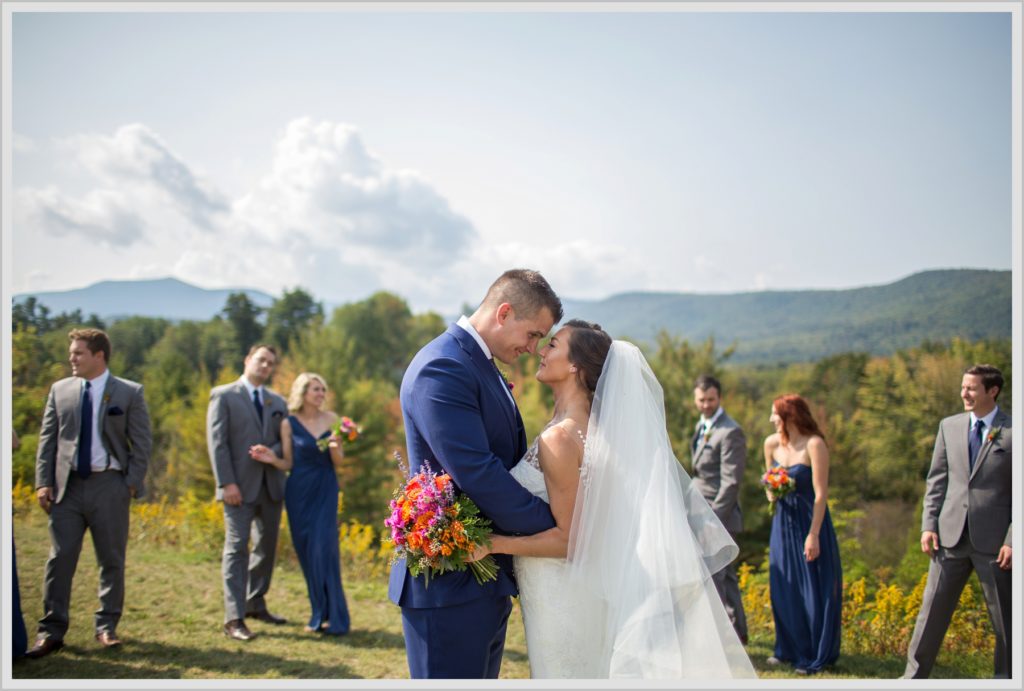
x,y
768,326
167,298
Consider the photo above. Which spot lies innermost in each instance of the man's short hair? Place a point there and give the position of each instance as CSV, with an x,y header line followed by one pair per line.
x,y
252,351
96,340
527,291
706,381
990,376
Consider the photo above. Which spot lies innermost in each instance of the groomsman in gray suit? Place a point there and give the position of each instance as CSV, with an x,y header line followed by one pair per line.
x,y
241,415
719,456
966,521
94,446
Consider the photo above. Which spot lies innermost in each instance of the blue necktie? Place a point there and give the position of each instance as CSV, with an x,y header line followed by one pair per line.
x,y
974,443
256,402
85,435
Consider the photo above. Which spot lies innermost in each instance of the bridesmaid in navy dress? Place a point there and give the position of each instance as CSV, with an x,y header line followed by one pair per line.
x,y
805,574
311,499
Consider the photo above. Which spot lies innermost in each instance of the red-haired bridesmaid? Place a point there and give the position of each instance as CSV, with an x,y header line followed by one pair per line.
x,y
805,574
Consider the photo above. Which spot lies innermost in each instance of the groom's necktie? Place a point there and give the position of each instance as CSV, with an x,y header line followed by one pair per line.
x,y
85,435
974,443
256,402
701,427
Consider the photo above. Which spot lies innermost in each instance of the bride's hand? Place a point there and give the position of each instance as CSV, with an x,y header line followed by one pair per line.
x,y
768,493
479,552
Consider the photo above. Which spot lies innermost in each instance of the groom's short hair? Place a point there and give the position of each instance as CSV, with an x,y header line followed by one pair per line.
x,y
527,291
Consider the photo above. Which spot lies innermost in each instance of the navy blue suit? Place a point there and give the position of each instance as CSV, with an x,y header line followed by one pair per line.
x,y
460,420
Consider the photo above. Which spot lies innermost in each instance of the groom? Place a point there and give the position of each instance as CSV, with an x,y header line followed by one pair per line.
x,y
460,417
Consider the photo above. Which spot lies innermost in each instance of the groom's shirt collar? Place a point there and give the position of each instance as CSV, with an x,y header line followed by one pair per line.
x,y
468,328
986,421
714,418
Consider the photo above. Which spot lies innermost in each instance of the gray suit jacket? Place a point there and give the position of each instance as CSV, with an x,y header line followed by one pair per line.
x,y
954,494
718,464
124,430
232,426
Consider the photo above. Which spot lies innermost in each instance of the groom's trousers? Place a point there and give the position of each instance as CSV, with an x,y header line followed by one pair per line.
x,y
464,641
947,575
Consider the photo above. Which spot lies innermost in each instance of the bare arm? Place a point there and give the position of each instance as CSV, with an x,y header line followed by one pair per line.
x,y
560,457
771,442
818,452
334,444
265,454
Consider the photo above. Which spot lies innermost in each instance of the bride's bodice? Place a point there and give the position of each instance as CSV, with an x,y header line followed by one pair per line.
x,y
527,472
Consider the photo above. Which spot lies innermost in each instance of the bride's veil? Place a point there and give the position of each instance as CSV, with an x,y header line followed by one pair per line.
x,y
644,542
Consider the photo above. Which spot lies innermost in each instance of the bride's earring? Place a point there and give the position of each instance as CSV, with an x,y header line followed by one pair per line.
x,y
572,368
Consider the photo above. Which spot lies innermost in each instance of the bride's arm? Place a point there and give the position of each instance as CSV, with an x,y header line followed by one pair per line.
x,y
560,457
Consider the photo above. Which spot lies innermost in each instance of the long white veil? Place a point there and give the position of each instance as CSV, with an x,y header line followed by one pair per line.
x,y
644,542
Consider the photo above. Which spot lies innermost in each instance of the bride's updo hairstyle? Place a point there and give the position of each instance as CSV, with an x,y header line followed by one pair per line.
x,y
588,349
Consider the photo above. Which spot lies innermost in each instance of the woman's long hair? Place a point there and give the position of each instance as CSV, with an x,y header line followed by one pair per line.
x,y
793,410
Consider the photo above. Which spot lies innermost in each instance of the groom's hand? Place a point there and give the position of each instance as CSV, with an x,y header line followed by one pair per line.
x,y
1005,558
232,495
929,542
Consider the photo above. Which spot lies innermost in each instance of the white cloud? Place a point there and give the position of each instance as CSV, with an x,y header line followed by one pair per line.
x,y
329,215
104,216
136,156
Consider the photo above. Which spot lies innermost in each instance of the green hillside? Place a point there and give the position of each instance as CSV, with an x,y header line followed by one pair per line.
x,y
790,326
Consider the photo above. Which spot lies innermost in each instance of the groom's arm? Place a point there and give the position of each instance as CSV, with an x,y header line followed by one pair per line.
x,y
449,418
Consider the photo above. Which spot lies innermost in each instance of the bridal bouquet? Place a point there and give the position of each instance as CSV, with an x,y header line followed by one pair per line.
x,y
779,483
344,429
435,530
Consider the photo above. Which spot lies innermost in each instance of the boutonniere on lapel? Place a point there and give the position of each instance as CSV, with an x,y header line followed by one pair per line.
x,y
707,434
994,434
508,382
106,398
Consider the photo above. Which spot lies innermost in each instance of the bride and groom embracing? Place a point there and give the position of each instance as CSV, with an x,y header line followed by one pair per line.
x,y
597,527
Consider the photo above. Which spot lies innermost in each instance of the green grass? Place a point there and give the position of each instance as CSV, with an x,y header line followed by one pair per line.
x,y
171,627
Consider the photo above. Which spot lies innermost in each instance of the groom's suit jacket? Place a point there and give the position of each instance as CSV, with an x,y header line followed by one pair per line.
x,y
957,498
460,420
232,426
123,426
718,463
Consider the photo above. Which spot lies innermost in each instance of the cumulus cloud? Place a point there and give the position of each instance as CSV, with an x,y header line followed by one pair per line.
x,y
104,216
329,214
138,157
327,186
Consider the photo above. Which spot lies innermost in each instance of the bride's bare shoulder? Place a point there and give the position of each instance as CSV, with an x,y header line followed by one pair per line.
x,y
559,443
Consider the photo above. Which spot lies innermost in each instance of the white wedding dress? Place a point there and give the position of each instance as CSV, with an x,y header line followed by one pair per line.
x,y
551,607
635,598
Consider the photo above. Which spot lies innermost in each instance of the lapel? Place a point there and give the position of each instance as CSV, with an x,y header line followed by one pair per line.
x,y
1000,420
244,394
958,452
109,390
705,438
72,400
486,371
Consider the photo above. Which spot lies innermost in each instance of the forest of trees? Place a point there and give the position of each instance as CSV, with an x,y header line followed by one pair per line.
x,y
879,414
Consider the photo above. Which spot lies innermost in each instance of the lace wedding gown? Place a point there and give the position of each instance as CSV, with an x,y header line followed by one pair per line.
x,y
551,607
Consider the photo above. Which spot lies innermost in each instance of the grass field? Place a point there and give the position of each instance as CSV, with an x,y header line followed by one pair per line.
x,y
171,627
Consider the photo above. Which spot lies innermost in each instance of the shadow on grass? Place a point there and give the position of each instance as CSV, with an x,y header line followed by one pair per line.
x,y
141,660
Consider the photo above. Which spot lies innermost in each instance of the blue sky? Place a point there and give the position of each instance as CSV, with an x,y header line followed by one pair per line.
x,y
425,152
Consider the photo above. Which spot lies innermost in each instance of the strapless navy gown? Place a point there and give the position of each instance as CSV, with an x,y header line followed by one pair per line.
x,y
311,499
807,600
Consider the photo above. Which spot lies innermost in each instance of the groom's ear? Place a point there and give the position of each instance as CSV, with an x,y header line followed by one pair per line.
x,y
503,312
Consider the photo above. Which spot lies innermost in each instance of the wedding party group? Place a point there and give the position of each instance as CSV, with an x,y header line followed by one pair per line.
x,y
622,562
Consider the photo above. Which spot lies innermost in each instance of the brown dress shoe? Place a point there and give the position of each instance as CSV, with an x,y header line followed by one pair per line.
x,y
237,629
44,645
108,639
267,617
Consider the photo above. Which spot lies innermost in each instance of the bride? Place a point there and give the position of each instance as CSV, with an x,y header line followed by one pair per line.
x,y
621,587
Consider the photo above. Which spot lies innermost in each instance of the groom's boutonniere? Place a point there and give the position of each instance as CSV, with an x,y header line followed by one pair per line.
x,y
509,383
106,398
994,434
707,434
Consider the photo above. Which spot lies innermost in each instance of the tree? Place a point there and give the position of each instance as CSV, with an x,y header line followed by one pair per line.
x,y
243,316
289,315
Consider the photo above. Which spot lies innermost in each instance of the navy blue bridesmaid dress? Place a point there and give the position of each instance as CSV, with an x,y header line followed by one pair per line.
x,y
19,637
311,499
807,600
